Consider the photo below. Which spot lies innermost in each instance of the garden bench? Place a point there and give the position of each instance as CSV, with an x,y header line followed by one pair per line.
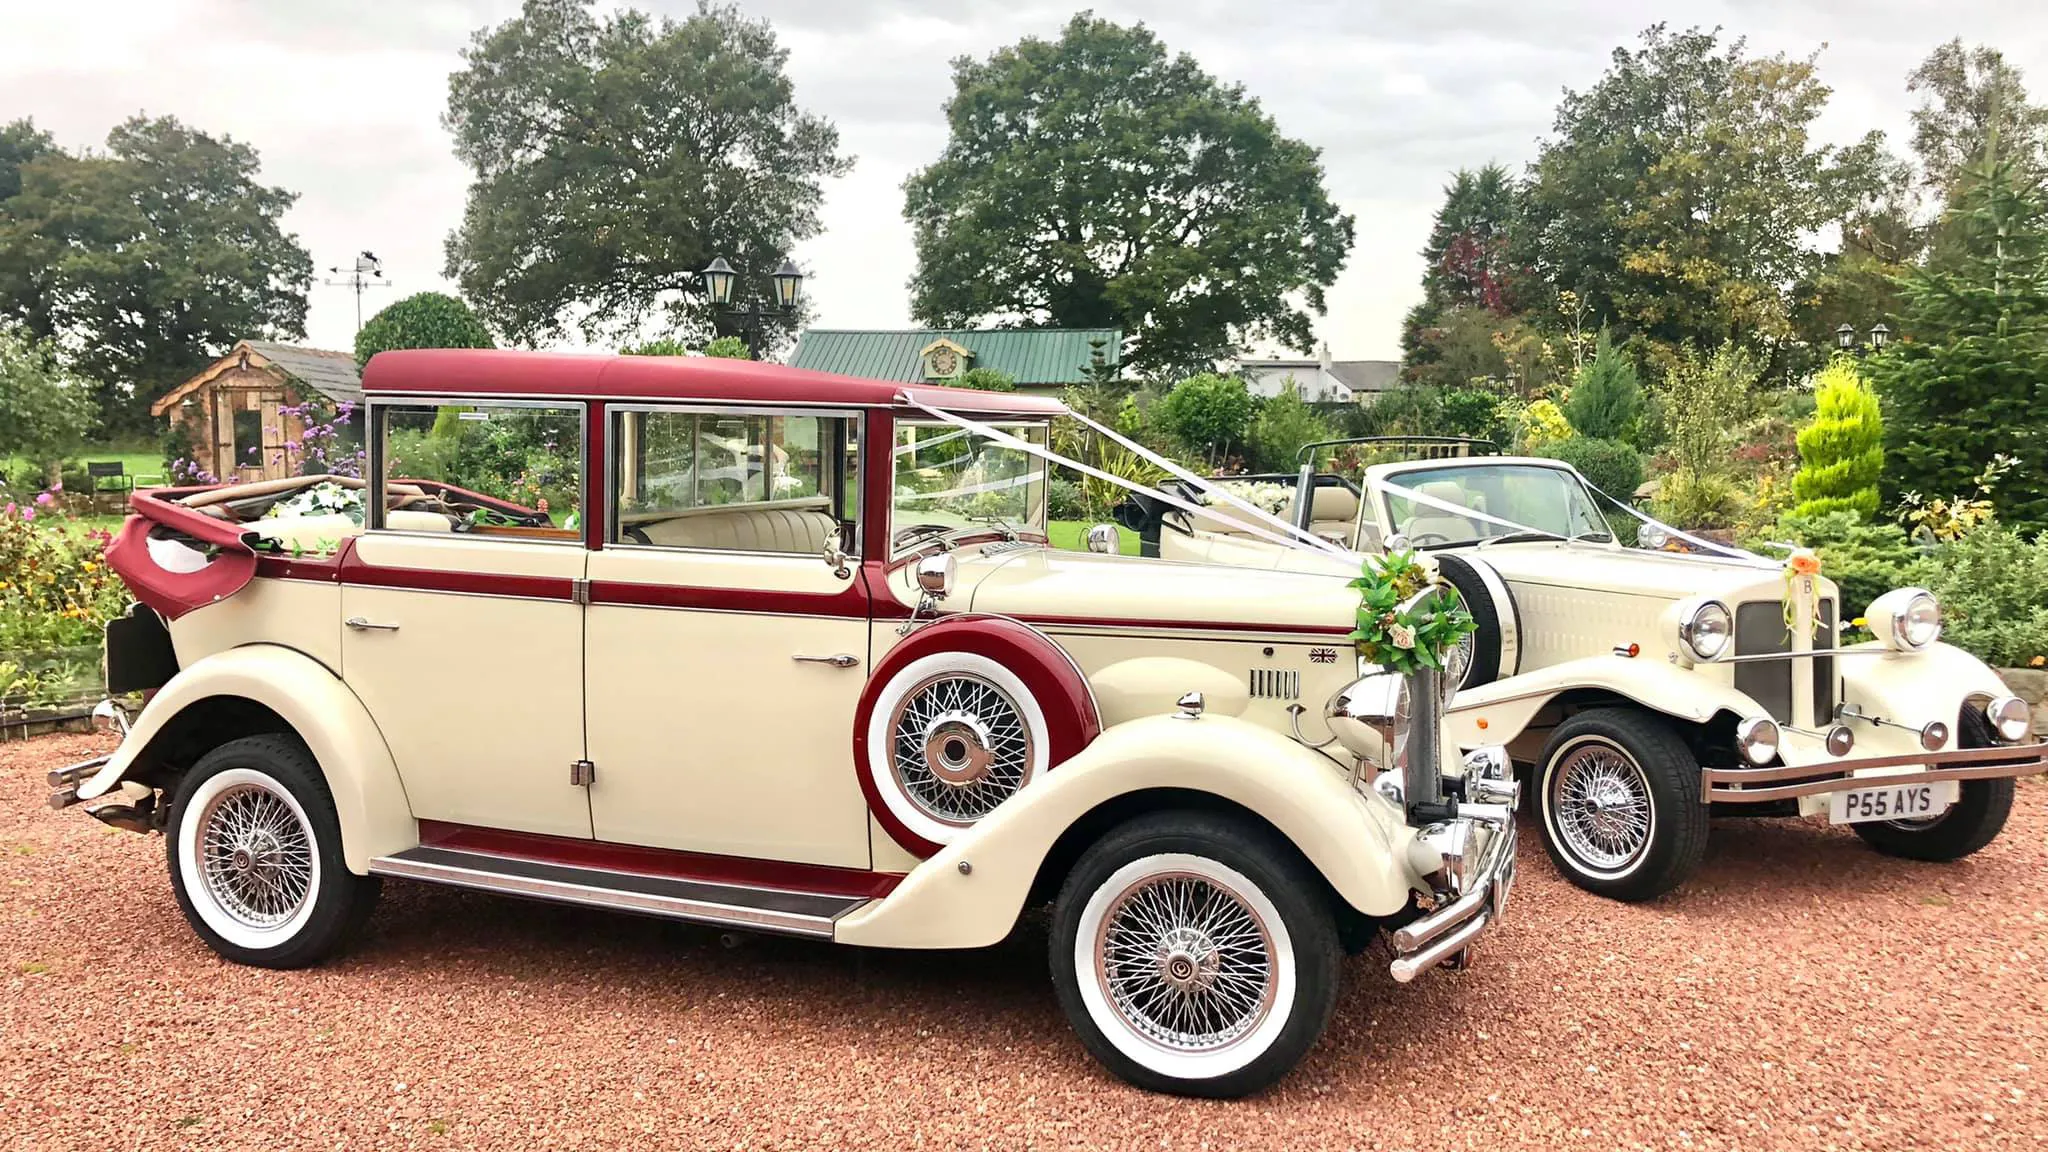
x,y
107,476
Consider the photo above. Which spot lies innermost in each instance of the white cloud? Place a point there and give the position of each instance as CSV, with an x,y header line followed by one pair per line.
x,y
343,98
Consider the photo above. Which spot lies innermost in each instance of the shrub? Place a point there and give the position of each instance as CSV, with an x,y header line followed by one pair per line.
x,y
1612,466
422,320
1063,500
1468,412
44,410
1993,587
665,346
1841,453
1542,425
1607,400
55,588
1866,560
1283,425
1207,413
1694,501
728,348
1705,397
987,380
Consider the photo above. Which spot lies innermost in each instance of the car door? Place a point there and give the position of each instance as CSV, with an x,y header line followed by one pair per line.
x,y
724,655
463,635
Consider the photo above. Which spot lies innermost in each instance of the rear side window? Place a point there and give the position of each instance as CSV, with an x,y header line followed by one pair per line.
x,y
732,481
495,469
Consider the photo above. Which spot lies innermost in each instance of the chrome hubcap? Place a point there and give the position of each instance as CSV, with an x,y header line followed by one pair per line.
x,y
255,856
961,748
1602,805
1186,963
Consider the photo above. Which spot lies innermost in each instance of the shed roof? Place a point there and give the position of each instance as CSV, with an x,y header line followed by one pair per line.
x,y
1041,357
332,374
479,372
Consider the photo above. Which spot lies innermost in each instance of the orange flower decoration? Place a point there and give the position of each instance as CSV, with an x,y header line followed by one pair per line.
x,y
1804,562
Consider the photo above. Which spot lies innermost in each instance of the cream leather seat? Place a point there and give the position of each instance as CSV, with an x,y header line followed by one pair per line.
x,y
788,526
1429,520
1333,513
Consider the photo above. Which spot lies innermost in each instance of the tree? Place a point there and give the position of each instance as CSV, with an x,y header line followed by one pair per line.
x,y
1968,380
1469,347
1284,424
1705,397
422,320
1207,413
987,380
1466,263
1607,400
1094,181
1969,96
1841,454
44,410
1681,194
612,161
728,348
147,260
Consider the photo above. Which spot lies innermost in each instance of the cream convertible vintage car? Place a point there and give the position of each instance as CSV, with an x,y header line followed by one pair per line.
x,y
1646,689
850,695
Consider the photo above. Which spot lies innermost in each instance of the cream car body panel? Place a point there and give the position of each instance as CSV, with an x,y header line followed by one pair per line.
x,y
479,694
302,615
708,732
1353,839
368,796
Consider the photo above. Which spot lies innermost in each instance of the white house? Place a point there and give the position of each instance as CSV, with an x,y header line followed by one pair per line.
x,y
1321,380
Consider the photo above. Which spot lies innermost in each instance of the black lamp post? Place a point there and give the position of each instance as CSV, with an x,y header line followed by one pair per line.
x,y
750,322
1880,335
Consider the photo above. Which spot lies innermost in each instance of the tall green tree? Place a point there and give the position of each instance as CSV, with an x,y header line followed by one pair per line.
x,y
1607,399
1969,95
1466,263
421,320
1096,181
612,160
1208,414
1841,454
1683,192
1969,378
44,409
148,259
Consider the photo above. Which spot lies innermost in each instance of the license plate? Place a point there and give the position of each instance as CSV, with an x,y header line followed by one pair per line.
x,y
1892,802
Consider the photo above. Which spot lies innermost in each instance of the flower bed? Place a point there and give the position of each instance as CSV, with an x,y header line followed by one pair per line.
x,y
56,594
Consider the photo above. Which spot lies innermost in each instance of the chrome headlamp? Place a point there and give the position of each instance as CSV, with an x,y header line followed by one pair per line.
x,y
1906,619
1706,630
1757,739
2010,717
1369,715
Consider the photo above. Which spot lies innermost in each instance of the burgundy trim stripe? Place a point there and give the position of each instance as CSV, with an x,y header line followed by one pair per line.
x,y
819,879
1191,625
354,571
850,601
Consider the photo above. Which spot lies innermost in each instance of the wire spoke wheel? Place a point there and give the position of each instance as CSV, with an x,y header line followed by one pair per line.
x,y
1186,963
255,856
1602,803
960,747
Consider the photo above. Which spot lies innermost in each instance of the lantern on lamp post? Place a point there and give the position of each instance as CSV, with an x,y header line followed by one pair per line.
x,y
720,283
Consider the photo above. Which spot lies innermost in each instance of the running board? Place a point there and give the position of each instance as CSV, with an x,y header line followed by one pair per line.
x,y
727,905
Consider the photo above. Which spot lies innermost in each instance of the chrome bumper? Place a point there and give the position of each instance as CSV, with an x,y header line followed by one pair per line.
x,y
1754,785
1444,934
65,781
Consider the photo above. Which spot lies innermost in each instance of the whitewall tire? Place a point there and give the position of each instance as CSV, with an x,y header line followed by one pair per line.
x,y
1618,798
1193,956
255,856
951,736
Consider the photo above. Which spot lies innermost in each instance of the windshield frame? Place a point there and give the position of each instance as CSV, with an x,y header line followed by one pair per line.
x,y
1034,525
1383,483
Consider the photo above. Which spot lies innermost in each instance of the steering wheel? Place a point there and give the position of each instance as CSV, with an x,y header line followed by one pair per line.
x,y
1421,538
906,535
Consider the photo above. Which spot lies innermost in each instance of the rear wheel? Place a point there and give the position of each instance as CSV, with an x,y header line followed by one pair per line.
x,y
255,856
1192,955
1618,794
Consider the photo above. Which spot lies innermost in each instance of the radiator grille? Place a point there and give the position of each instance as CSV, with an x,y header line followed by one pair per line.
x,y
1760,628
1275,684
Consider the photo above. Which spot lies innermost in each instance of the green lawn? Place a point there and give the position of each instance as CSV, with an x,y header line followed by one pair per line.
x,y
1072,535
138,461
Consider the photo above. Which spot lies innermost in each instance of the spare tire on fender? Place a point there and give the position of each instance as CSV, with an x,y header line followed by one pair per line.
x,y
1496,648
959,717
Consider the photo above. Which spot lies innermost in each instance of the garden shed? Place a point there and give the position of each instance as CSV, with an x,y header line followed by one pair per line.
x,y
241,415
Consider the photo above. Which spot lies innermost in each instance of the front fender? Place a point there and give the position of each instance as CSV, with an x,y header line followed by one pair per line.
x,y
1498,712
969,894
375,817
1913,688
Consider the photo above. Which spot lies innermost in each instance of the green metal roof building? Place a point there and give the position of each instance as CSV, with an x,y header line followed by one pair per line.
x,y
1038,359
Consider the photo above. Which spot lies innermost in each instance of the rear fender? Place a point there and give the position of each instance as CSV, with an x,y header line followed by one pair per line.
x,y
375,817
970,893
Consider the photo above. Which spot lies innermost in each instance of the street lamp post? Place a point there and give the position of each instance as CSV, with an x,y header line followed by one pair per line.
x,y
750,322
1880,335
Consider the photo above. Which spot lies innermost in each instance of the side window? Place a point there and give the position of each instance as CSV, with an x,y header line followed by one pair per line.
x,y
506,470
740,482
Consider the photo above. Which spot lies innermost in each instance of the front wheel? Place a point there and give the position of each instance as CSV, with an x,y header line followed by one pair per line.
x,y
1973,821
1618,794
1192,955
256,860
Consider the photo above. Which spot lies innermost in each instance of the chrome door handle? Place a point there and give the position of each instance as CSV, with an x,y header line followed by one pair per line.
x,y
842,660
362,625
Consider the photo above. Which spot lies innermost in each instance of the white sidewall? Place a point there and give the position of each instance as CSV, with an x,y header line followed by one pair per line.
x,y
1183,1065
1543,801
193,870
882,743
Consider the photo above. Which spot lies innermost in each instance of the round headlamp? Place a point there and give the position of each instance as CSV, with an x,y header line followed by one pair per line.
x,y
1368,717
1707,630
1757,739
2010,717
1906,619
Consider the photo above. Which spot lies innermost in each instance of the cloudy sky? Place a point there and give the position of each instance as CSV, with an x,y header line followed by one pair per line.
x,y
343,99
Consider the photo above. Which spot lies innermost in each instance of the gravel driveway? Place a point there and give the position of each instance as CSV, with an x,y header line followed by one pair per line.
x,y
1858,1002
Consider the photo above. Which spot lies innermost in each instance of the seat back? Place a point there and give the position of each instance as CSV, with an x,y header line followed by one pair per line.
x,y
1333,513
785,526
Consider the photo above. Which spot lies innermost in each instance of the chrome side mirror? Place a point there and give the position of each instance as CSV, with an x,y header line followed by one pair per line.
x,y
1102,539
835,555
935,576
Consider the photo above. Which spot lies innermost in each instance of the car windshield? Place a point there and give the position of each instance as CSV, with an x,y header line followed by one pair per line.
x,y
949,478
1511,499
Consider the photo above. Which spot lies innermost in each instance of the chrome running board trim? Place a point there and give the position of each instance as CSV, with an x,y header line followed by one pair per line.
x,y
701,902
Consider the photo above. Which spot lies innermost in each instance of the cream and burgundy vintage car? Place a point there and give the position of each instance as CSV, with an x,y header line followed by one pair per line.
x,y
1644,689
786,652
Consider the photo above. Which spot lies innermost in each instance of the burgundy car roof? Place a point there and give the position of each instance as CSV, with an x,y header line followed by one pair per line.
x,y
483,372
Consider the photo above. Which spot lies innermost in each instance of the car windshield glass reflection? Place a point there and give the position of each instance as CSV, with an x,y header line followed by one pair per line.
x,y
1510,500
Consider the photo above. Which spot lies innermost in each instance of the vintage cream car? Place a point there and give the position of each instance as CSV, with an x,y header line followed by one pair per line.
x,y
1644,689
848,694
